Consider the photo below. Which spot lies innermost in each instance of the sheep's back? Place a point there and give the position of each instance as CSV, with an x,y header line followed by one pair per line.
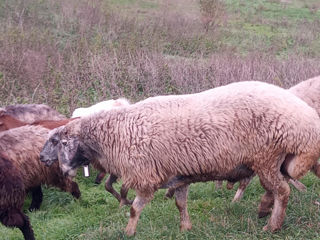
x,y
309,91
30,113
209,132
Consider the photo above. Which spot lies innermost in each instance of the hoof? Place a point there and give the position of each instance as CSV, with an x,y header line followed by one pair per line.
x,y
272,229
265,228
76,195
130,232
31,209
125,202
97,182
235,200
185,226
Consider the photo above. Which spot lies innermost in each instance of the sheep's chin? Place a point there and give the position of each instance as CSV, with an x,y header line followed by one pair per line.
x,y
68,172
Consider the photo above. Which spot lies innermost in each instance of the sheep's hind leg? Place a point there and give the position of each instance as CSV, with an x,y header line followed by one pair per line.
x,y
37,196
26,228
278,192
181,203
15,218
138,204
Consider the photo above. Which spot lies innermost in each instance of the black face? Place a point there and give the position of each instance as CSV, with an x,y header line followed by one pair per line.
x,y
72,154
49,153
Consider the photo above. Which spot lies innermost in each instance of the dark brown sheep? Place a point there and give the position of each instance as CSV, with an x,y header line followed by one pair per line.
x,y
12,194
22,145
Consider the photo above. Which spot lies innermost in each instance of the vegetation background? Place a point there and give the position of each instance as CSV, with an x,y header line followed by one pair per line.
x,y
75,53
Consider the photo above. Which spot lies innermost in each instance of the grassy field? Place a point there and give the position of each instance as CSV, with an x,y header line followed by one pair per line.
x,y
77,52
97,215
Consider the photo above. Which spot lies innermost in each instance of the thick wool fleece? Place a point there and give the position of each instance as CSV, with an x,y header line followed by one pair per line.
x,y
30,113
251,123
22,145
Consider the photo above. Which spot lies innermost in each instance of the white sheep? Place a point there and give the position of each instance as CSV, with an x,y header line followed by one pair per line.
x,y
200,137
105,105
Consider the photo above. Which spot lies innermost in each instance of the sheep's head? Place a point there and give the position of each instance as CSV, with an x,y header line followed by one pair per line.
x,y
72,154
49,152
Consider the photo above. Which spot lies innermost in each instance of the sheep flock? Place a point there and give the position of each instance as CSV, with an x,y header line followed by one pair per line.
x,y
233,133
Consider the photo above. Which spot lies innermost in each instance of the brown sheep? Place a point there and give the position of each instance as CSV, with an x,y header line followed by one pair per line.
x,y
205,136
8,122
30,113
22,146
12,194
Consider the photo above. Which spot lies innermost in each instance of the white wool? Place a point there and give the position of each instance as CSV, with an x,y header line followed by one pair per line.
x,y
105,105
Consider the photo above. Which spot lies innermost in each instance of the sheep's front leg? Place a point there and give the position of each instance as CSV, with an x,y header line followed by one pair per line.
x,y
181,203
242,187
123,194
99,177
138,204
37,196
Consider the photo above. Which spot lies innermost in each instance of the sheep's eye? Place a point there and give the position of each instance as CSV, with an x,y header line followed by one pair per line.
x,y
54,141
64,142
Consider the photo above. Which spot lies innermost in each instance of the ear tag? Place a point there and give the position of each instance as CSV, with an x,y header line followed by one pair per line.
x,y
86,170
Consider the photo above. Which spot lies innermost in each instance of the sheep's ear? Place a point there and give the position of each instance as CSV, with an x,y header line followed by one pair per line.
x,y
73,127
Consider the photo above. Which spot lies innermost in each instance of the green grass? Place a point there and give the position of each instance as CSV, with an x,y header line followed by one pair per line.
x,y
125,48
97,215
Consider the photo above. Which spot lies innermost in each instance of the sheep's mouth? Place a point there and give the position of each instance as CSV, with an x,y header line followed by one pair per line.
x,y
48,163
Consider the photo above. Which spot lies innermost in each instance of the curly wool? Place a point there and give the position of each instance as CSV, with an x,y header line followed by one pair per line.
x,y
212,132
22,146
29,113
